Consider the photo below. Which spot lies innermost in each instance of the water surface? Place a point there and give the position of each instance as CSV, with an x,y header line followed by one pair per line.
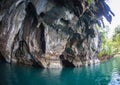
x,y
106,73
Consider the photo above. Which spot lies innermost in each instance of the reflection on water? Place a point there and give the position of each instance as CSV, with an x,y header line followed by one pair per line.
x,y
115,79
115,76
107,73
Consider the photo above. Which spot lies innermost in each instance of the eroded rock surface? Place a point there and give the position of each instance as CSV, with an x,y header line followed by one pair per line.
x,y
50,33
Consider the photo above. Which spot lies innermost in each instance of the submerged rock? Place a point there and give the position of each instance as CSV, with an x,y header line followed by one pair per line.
x,y
49,33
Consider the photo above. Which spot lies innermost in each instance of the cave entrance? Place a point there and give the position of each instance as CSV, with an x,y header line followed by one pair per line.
x,y
31,22
66,63
42,37
32,14
2,58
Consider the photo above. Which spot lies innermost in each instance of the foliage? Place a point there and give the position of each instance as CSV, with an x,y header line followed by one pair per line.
x,y
107,49
116,39
117,30
110,46
90,1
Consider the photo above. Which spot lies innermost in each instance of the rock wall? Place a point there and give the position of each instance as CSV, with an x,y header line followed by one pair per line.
x,y
50,33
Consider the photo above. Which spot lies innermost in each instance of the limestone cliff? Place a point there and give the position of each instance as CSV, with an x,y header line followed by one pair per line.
x,y
51,33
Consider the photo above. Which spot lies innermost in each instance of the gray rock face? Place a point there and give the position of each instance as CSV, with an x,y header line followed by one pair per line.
x,y
49,33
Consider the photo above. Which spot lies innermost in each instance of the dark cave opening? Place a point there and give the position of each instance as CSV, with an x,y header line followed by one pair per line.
x,y
2,59
42,37
66,63
31,13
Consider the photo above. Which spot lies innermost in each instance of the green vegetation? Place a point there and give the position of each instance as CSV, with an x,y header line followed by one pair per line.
x,y
110,46
116,39
90,1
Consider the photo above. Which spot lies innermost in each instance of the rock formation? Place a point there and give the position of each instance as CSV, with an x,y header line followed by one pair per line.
x,y
51,33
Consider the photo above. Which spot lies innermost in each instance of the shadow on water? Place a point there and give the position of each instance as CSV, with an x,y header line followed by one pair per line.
x,y
107,73
1,58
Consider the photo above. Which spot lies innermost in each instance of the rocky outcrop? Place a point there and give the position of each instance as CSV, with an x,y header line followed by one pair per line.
x,y
51,33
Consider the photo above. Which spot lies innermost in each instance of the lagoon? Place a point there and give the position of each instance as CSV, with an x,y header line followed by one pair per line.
x,y
105,73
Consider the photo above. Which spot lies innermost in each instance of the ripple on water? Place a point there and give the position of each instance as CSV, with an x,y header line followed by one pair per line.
x,y
115,78
106,73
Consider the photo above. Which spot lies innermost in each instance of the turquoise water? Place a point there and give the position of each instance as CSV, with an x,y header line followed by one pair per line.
x,y
106,73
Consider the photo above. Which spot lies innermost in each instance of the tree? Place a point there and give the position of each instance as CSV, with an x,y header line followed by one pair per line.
x,y
116,39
